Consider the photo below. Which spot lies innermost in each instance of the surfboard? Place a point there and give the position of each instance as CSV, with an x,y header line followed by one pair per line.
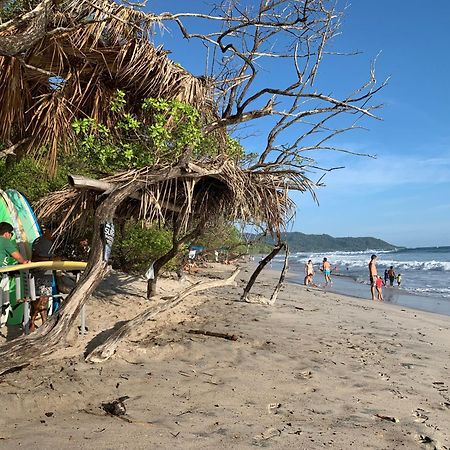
x,y
46,265
26,220
19,233
26,230
8,314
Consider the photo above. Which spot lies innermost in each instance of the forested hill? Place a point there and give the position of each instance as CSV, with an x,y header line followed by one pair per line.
x,y
300,242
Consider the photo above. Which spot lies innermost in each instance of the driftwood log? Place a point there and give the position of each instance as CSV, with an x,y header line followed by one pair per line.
x,y
108,348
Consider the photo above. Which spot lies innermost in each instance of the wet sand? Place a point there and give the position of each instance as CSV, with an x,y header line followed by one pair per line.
x,y
314,370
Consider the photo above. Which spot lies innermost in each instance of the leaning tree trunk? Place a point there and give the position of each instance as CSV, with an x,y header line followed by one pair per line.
x,y
164,259
261,265
278,287
23,350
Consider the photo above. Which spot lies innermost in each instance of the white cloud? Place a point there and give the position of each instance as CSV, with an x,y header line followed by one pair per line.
x,y
386,172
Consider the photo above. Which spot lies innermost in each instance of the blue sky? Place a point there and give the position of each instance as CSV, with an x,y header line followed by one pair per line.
x,y
402,196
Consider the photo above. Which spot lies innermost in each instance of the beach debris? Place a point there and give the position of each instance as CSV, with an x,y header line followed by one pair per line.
x,y
230,337
430,442
304,375
116,407
388,418
270,433
440,386
273,408
49,414
384,376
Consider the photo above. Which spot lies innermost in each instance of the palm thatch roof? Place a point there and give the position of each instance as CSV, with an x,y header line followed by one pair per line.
x,y
187,194
73,64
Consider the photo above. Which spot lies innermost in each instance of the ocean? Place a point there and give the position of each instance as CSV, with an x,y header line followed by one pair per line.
x,y
425,275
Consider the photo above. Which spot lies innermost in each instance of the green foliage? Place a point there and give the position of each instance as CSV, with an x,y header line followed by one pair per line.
x,y
30,177
118,102
221,236
139,246
161,133
12,8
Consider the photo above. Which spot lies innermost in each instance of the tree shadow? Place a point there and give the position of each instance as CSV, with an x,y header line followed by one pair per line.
x,y
100,338
119,283
12,332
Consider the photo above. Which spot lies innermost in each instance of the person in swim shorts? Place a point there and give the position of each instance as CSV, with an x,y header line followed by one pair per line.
x,y
326,269
373,274
392,276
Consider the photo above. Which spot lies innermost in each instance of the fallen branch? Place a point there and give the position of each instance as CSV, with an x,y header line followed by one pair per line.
x,y
230,337
108,348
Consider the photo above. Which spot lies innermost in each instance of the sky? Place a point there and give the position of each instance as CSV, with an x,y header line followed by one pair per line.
x,y
402,195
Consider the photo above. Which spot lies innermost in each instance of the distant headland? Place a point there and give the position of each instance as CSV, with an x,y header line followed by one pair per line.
x,y
301,242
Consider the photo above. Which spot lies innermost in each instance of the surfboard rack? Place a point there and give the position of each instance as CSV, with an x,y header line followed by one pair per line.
x,y
25,272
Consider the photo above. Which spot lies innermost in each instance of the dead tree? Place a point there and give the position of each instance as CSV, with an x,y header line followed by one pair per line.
x,y
66,55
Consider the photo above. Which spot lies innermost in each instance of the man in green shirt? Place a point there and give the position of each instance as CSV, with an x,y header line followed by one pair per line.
x,y
9,254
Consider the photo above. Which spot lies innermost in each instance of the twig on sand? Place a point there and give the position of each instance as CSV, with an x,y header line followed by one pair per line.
x,y
388,418
230,337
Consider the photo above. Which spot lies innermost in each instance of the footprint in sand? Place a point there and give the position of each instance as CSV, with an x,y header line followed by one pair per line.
x,y
420,415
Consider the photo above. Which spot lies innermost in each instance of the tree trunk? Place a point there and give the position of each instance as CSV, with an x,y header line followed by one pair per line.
x,y
108,348
158,265
164,259
258,270
278,287
51,335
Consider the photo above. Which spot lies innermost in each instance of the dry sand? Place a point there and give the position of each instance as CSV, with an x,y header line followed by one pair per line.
x,y
314,370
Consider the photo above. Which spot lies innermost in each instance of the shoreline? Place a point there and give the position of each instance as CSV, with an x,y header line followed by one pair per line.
x,y
314,370
348,286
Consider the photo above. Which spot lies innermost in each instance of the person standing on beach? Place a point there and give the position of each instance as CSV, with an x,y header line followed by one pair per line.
x,y
391,273
9,255
386,277
326,269
399,279
373,274
309,273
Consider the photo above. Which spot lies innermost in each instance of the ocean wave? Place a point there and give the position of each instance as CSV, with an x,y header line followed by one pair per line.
x,y
337,253
356,264
442,292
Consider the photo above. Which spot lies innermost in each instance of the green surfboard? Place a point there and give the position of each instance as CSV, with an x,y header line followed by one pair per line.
x,y
15,209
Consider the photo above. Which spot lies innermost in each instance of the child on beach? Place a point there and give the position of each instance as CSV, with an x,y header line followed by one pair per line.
x,y
309,273
379,285
399,279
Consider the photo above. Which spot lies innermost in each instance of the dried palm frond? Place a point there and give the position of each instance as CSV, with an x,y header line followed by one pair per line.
x,y
74,73
216,190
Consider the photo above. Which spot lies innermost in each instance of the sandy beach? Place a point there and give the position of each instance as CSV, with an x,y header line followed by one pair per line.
x,y
314,370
